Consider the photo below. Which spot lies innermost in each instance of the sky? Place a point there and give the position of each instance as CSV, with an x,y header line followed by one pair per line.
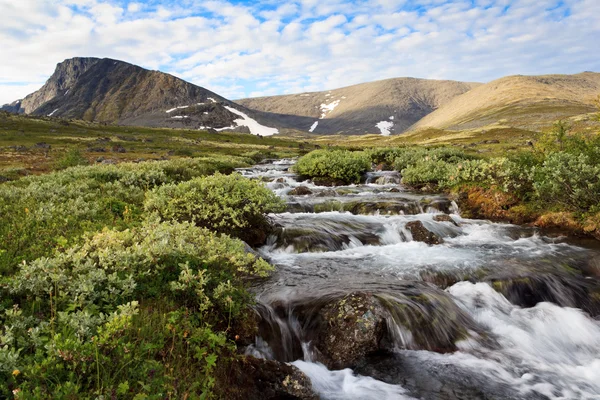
x,y
266,47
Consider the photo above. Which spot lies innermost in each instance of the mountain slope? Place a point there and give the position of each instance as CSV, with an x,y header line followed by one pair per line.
x,y
530,102
387,106
112,91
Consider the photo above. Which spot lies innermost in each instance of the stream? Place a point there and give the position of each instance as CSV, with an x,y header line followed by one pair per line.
x,y
487,311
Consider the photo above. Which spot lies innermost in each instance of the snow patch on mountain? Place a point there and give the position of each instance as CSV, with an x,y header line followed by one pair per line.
x,y
52,113
253,125
384,127
328,108
313,126
176,108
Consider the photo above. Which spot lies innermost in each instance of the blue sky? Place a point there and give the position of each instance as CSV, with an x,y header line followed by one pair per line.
x,y
253,48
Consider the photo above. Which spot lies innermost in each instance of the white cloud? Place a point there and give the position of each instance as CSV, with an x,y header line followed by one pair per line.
x,y
302,45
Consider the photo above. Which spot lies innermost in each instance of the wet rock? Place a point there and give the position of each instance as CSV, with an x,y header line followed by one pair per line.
x,y
383,167
394,190
327,181
355,326
300,191
444,218
249,378
422,234
327,193
430,378
566,288
280,180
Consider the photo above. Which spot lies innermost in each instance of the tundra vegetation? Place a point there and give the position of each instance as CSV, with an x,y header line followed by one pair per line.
x,y
130,280
127,280
554,183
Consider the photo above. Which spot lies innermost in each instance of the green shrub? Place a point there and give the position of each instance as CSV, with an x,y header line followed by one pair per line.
x,y
510,176
426,172
72,158
410,156
223,203
571,180
342,165
140,311
41,213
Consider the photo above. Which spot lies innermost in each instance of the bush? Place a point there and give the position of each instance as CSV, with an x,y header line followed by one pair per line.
x,y
342,165
117,313
223,203
426,172
510,176
72,158
570,180
41,213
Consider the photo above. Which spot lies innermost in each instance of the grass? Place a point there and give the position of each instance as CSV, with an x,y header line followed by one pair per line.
x,y
24,143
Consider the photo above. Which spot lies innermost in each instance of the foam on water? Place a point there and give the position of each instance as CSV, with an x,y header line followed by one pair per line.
x,y
547,349
345,385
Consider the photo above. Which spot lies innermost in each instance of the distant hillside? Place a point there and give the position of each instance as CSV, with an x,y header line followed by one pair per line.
x,y
116,92
528,102
389,106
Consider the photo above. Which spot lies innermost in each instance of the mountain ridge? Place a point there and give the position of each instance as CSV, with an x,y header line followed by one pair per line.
x,y
111,91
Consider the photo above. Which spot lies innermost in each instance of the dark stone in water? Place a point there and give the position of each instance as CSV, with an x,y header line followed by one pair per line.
x,y
327,193
356,324
444,218
567,289
280,180
430,380
249,378
422,234
327,181
394,190
300,191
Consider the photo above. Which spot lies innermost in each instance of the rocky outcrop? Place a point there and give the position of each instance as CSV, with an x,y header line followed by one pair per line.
x,y
300,191
444,218
249,378
422,234
63,79
355,326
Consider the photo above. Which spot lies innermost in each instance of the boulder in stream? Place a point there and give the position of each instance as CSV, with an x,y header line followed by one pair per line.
x,y
444,218
422,234
327,181
300,191
250,378
355,326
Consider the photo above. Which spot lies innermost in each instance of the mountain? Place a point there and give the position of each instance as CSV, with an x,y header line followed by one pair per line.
x,y
387,106
116,92
528,102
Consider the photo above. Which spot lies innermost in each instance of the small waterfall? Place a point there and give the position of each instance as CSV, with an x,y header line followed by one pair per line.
x,y
347,255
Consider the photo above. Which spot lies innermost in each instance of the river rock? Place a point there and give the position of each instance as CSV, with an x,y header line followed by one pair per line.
x,y
300,191
422,234
566,288
250,378
444,218
327,181
355,326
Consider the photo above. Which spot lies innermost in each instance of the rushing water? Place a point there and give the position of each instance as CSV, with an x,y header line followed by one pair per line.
x,y
541,341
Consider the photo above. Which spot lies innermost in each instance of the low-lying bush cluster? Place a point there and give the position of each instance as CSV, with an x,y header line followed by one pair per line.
x,y
125,281
342,165
72,322
223,203
41,213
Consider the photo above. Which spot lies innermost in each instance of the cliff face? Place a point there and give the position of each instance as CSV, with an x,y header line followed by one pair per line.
x,y
64,77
